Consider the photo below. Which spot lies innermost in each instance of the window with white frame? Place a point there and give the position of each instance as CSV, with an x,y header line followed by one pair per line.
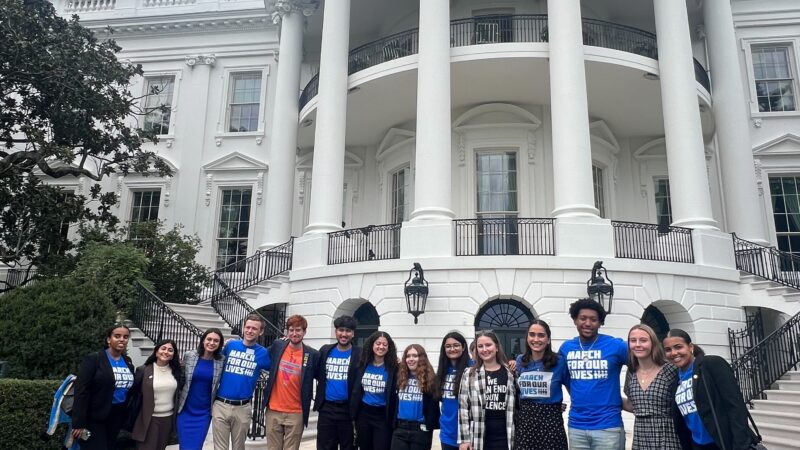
x,y
234,228
244,101
400,191
158,103
599,190
663,204
773,70
144,205
785,193
496,192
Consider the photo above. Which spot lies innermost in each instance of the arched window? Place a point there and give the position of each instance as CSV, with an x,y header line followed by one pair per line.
x,y
509,319
368,322
656,320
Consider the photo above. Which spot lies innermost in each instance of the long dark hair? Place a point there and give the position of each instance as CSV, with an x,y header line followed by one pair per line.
x,y
368,355
678,333
110,331
444,361
201,349
174,363
550,358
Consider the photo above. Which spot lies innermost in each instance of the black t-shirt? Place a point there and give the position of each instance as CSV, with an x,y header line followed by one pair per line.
x,y
494,398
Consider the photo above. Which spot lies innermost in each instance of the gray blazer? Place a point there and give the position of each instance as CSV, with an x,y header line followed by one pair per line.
x,y
189,363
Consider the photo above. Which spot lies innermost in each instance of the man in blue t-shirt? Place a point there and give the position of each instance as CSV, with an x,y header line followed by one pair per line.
x,y
594,362
335,373
244,361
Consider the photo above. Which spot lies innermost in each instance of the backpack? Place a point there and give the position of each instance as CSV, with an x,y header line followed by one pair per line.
x,y
68,398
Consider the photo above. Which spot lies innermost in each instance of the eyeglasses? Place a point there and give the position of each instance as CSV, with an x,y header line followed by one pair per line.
x,y
452,346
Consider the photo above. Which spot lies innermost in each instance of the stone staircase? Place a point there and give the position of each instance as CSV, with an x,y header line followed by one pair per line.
x,y
758,292
778,417
274,290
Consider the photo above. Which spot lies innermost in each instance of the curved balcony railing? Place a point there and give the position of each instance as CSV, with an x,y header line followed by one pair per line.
x,y
652,242
369,243
508,235
501,29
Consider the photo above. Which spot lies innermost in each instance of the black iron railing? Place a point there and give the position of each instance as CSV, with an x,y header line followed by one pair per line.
x,y
504,236
652,242
20,277
764,364
261,266
500,29
158,321
234,310
258,427
767,262
740,341
373,242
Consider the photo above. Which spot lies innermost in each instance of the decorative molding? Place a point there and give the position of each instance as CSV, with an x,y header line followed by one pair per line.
x,y
167,188
462,149
120,177
282,8
759,182
235,161
81,188
531,148
786,144
218,142
355,189
757,122
259,187
392,140
174,24
301,187
209,185
201,60
259,140
381,174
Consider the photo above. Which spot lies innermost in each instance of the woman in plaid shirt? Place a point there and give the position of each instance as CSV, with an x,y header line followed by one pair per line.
x,y
486,399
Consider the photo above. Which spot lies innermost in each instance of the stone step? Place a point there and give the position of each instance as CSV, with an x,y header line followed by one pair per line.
x,y
746,277
773,417
758,285
784,396
780,290
194,310
788,385
791,375
781,432
776,406
793,297
774,443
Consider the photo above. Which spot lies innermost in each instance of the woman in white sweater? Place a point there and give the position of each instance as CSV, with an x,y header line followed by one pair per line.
x,y
157,383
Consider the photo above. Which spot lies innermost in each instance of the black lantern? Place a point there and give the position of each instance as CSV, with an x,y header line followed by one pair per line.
x,y
416,290
599,287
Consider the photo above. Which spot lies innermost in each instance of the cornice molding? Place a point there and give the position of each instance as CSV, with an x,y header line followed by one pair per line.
x,y
281,8
181,24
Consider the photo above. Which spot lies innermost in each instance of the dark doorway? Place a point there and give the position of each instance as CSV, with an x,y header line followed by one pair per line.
x,y
656,320
368,322
509,320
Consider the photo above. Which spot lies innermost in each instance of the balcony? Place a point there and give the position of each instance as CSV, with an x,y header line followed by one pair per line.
x,y
370,243
504,236
498,30
652,242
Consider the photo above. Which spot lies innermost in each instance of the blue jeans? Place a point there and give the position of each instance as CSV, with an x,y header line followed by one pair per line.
x,y
605,439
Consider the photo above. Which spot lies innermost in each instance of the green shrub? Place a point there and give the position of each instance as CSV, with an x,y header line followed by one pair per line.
x,y
113,268
24,413
47,328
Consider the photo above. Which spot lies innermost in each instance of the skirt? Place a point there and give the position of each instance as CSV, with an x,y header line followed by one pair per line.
x,y
540,426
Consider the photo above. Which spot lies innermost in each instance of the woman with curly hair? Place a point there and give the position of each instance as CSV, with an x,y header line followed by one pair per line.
x,y
453,361
486,399
374,397
158,382
417,406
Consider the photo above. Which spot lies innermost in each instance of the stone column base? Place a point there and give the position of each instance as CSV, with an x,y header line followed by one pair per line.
x,y
584,236
310,250
426,238
713,248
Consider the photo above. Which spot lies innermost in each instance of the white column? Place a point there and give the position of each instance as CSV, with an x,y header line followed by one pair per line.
x,y
432,196
733,130
688,179
283,139
329,140
573,192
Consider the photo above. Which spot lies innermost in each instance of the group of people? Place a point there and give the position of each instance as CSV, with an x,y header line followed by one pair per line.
x,y
368,398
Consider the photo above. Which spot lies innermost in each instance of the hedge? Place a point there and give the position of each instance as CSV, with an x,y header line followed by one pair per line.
x,y
24,413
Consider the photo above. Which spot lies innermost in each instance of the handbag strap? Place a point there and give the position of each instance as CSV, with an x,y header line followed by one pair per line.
x,y
713,412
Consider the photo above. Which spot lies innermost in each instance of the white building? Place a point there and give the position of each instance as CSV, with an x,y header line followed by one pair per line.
x,y
458,120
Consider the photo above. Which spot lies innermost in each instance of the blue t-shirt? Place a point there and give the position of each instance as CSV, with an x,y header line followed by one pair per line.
x,y
539,385
684,398
448,421
410,405
593,379
123,379
336,367
374,384
243,365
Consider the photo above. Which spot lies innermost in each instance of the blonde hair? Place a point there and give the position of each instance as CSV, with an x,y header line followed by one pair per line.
x,y
656,349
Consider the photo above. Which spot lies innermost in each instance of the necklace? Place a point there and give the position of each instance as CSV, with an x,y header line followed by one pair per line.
x,y
645,376
163,368
584,351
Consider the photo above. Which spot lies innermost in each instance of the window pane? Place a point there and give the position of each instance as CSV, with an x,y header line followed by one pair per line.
x,y
244,102
158,103
234,227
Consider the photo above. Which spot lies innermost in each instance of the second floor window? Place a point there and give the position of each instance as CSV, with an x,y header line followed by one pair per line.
x,y
158,104
774,77
599,191
400,181
144,207
244,102
663,205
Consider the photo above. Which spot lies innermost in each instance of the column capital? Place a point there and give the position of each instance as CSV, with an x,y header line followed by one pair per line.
x,y
194,60
281,8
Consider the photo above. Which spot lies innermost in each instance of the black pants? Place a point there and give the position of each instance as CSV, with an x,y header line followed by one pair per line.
x,y
449,447
334,427
696,446
105,432
411,438
372,428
